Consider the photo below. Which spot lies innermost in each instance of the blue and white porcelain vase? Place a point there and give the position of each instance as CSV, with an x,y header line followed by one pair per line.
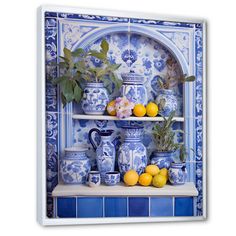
x,y
75,165
112,178
95,99
166,101
162,159
177,173
105,151
133,88
132,154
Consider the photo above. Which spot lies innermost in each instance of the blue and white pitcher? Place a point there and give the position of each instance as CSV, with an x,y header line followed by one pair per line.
x,y
105,151
132,153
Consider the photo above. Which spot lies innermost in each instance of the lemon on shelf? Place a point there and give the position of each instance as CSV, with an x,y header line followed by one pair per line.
x,y
131,178
111,110
152,170
164,172
145,179
152,109
159,181
139,110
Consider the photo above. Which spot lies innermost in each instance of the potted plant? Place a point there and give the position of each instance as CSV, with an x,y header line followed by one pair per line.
x,y
77,73
166,147
166,100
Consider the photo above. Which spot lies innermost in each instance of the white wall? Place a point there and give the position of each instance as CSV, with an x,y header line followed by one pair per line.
x,y
18,109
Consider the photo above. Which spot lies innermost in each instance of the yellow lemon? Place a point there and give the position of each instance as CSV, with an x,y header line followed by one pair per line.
x,y
139,110
152,109
164,172
145,179
159,181
111,110
131,177
152,170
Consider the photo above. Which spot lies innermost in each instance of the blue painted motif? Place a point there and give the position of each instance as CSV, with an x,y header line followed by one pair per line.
x,y
132,153
162,159
95,99
74,166
112,178
177,173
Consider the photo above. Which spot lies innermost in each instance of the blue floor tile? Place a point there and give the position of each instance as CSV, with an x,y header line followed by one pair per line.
x,y
161,206
89,207
66,207
138,206
115,206
184,206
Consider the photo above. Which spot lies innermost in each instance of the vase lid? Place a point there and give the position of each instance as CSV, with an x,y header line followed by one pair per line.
x,y
79,148
132,77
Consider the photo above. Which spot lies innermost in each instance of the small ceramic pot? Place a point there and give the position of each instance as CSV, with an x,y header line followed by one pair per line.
x,y
94,178
177,173
162,159
112,178
168,101
95,99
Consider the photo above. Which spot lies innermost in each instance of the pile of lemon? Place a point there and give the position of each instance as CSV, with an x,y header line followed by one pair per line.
x,y
139,110
152,176
150,110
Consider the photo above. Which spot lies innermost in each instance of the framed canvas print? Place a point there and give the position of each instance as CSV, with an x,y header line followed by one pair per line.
x,y
121,117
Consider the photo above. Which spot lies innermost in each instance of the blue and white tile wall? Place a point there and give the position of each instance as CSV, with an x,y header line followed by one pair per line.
x,y
143,46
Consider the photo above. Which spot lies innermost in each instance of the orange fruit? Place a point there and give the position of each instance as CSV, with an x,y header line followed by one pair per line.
x,y
131,177
111,110
152,170
152,109
145,179
139,110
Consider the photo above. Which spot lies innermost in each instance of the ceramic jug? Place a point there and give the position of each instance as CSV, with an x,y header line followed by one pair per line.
x,y
105,151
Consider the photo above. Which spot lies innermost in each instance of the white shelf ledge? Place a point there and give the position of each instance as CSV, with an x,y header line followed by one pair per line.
x,y
131,118
188,189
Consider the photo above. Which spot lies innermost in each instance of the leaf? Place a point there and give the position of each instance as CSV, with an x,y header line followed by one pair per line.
x,y
78,52
105,46
63,99
77,93
189,78
98,55
67,90
67,54
59,80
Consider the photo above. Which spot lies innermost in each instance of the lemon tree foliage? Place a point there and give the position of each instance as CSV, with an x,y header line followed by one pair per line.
x,y
75,71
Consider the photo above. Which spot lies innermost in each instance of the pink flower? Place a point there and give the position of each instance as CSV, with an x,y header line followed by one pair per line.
x,y
123,107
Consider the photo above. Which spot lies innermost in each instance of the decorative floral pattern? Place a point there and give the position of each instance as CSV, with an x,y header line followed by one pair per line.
x,y
177,173
112,178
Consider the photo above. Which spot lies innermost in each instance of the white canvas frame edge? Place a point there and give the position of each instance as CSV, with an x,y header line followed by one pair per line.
x,y
41,112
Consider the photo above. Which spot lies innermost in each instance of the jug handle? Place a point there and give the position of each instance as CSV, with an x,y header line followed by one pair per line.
x,y
91,139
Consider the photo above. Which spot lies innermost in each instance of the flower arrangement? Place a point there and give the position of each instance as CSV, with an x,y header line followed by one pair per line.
x,y
120,107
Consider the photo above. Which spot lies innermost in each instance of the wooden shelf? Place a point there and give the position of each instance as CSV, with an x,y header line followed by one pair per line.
x,y
131,118
188,189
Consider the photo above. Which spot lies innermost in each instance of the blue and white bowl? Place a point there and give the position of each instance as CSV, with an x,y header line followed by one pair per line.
x,y
94,179
112,178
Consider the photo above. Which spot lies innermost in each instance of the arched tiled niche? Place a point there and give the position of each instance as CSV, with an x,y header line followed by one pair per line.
x,y
142,50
